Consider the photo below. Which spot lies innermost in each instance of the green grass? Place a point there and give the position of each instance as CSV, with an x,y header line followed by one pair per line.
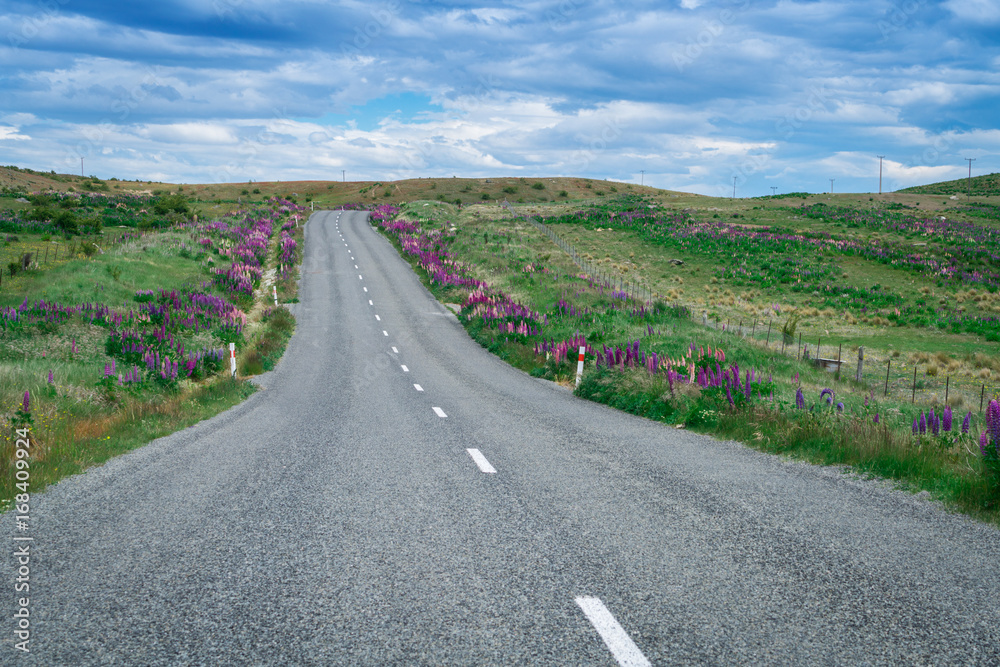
x,y
518,260
77,422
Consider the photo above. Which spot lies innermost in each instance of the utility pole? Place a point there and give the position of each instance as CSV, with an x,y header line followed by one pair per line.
x,y
774,189
880,173
82,176
971,160
343,175
642,178
734,187
831,185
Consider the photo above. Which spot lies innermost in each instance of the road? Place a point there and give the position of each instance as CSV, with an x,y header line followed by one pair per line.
x,y
338,517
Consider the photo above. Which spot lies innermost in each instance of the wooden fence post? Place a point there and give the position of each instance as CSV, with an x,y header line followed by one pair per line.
x,y
767,341
887,367
861,363
913,399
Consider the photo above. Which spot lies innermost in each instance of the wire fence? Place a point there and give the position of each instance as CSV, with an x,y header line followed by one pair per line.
x,y
614,281
892,377
902,379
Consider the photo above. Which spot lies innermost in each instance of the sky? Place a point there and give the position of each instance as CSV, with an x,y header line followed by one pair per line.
x,y
712,97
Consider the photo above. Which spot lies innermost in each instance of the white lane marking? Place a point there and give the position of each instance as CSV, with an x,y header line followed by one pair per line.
x,y
384,332
359,277
405,369
355,266
481,461
439,412
418,387
618,642
378,319
366,289
395,351
370,302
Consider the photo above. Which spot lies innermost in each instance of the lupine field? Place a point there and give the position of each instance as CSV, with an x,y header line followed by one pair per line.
x,y
126,336
700,359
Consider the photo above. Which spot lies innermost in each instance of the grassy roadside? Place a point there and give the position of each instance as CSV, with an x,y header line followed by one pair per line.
x,y
128,311
526,301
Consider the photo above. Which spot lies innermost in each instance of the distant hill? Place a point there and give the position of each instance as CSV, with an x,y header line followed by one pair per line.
x,y
979,186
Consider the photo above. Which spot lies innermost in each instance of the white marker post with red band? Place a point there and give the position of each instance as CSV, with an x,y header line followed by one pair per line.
x,y
232,359
579,366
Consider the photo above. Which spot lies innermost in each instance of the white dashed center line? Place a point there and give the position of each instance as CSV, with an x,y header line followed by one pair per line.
x,y
439,412
365,288
481,461
378,319
385,333
395,351
405,369
359,277
618,642
418,387
370,302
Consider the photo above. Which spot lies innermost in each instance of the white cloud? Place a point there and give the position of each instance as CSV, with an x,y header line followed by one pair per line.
x,y
189,133
977,11
8,133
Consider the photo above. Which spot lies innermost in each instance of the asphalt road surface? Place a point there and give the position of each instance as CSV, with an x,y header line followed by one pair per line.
x,y
396,495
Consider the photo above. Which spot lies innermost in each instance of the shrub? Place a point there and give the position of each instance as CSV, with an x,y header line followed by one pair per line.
x,y
538,186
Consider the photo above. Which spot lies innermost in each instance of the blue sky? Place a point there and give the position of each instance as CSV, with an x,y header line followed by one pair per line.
x,y
686,94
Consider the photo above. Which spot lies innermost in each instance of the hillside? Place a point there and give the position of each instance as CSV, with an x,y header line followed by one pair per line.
x,y
978,186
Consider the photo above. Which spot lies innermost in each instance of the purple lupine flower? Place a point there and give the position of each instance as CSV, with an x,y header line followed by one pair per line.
x,y
946,419
923,423
967,422
746,390
800,400
983,441
935,423
52,379
915,426
840,407
729,395
828,393
876,418
26,402
993,421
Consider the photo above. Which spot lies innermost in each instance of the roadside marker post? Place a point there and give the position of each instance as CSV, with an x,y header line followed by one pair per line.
x,y
232,359
579,366
275,288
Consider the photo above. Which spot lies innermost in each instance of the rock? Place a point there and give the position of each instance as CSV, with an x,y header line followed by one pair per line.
x,y
677,262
